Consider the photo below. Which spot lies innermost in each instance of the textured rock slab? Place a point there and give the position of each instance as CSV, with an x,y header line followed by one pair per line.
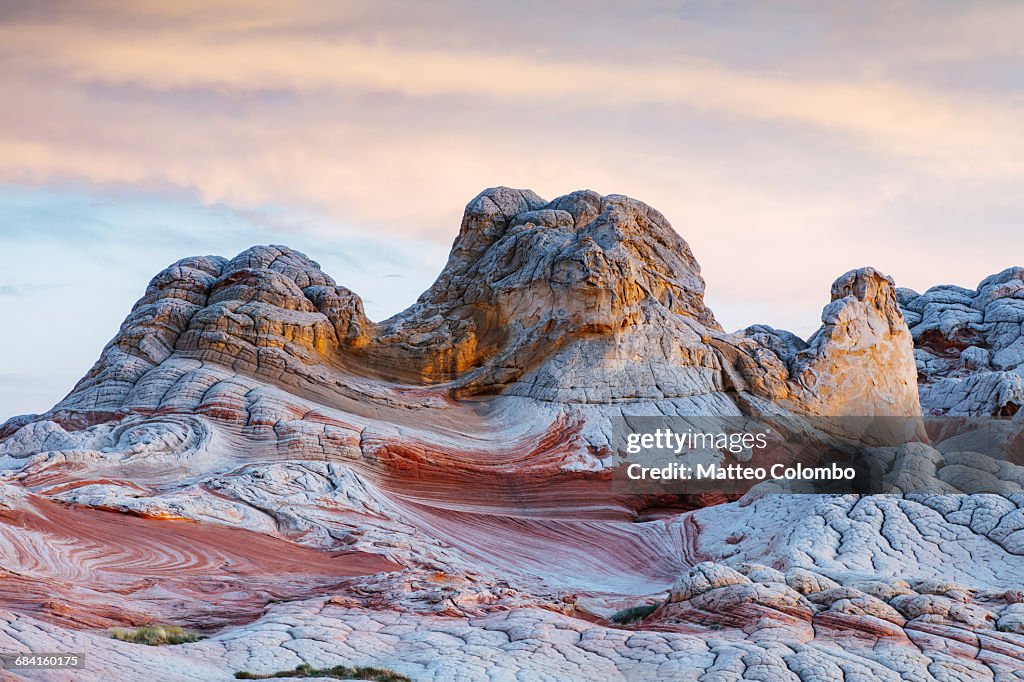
x,y
970,346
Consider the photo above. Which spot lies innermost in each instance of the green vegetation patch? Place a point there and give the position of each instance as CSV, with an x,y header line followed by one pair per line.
x,y
634,613
156,635
341,672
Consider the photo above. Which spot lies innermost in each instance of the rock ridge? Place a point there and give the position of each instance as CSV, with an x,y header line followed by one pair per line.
x,y
585,299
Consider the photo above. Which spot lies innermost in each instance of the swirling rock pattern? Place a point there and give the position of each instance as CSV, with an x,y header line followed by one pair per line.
x,y
252,456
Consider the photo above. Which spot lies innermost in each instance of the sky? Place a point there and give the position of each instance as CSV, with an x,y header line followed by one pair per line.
x,y
786,142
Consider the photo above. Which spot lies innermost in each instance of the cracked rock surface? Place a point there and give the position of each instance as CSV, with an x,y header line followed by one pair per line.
x,y
252,457
969,345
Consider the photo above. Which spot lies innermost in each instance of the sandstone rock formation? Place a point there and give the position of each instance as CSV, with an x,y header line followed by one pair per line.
x,y
253,457
970,345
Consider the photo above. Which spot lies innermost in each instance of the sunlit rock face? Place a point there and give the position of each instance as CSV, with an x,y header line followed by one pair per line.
x,y
970,345
860,362
584,299
253,457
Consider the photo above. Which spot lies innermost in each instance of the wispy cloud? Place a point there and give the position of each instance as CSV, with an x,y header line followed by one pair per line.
x,y
969,133
26,289
345,108
786,142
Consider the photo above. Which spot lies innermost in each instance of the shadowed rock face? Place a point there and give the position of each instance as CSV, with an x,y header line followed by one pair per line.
x,y
969,345
439,481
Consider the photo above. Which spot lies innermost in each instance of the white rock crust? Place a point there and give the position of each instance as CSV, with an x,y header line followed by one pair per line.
x,y
969,345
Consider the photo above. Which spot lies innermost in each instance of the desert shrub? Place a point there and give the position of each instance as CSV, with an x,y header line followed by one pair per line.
x,y
341,672
156,635
634,613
